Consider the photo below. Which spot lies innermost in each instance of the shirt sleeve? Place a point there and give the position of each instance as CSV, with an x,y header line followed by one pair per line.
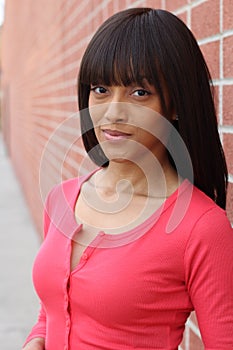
x,y
209,278
39,329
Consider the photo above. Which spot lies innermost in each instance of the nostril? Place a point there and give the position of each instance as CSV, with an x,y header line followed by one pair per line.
x,y
115,118
116,112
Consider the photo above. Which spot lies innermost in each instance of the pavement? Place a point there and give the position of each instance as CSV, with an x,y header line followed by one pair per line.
x,y
19,243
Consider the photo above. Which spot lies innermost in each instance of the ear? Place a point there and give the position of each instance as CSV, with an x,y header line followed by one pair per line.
x,y
175,117
172,113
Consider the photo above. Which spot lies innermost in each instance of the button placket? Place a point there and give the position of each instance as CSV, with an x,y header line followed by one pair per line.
x,y
66,298
67,313
84,256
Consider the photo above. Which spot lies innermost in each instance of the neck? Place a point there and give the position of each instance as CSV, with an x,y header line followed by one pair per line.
x,y
153,180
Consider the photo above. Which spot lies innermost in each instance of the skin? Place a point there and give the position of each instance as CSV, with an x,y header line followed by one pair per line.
x,y
131,186
122,117
35,344
120,108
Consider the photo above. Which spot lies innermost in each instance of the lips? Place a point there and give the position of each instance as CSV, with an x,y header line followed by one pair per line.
x,y
115,134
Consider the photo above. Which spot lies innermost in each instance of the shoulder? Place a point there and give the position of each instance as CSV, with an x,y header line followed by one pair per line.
x,y
190,208
201,209
209,242
62,191
211,229
200,218
208,215
69,187
65,192
208,267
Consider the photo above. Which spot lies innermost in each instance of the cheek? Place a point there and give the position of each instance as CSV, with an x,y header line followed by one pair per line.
x,y
154,129
145,137
96,113
93,110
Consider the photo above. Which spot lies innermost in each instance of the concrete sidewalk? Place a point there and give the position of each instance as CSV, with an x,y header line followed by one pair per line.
x,y
19,243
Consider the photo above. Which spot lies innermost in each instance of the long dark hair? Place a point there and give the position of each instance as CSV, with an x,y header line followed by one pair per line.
x,y
154,44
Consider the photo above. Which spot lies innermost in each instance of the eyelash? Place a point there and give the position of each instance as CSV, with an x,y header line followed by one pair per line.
x,y
105,90
97,87
144,91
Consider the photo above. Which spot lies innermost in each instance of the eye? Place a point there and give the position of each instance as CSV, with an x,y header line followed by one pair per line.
x,y
99,90
141,93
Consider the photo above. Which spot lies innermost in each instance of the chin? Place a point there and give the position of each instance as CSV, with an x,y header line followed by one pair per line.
x,y
119,160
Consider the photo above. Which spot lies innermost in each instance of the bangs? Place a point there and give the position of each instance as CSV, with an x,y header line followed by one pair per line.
x,y
122,54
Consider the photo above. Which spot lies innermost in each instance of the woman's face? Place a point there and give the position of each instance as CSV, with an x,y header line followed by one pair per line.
x,y
128,121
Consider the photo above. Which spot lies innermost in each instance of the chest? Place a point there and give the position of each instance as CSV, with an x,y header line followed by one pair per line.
x,y
120,214
154,261
114,217
119,285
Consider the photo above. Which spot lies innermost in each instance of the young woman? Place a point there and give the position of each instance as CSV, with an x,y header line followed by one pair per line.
x,y
132,248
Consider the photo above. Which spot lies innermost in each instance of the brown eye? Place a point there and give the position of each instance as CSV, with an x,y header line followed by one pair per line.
x,y
141,93
99,89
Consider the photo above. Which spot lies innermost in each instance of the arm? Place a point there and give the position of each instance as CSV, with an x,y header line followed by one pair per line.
x,y
209,278
36,338
35,344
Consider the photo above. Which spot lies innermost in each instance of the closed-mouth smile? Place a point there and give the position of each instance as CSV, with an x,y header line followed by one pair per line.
x,y
112,135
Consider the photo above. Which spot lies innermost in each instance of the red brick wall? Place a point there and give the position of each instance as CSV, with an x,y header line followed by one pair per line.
x,y
43,42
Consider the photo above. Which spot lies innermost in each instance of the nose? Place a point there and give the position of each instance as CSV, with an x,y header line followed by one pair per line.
x,y
116,112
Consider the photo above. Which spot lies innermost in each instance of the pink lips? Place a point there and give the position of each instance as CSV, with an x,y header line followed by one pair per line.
x,y
115,135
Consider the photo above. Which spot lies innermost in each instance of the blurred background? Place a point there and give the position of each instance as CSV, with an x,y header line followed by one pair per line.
x,y
41,44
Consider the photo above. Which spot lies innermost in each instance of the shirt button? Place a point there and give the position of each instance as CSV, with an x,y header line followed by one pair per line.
x,y
101,233
85,256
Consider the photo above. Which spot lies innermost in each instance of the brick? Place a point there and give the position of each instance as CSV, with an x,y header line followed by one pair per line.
x,y
228,148
228,105
187,332
229,208
175,4
183,16
97,20
205,19
193,318
35,69
227,57
211,55
155,4
182,344
216,100
122,4
227,14
195,341
110,8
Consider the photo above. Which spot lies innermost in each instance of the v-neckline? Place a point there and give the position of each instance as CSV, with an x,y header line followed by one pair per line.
x,y
146,224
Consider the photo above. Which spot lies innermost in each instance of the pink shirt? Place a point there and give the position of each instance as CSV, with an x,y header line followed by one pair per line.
x,y
136,290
